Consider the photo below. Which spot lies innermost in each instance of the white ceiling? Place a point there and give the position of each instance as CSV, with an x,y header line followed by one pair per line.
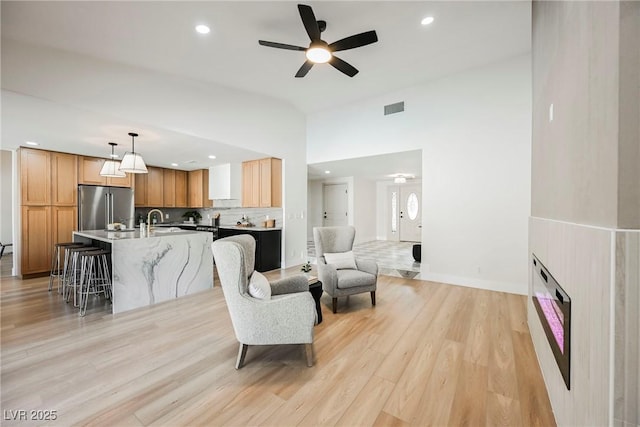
x,y
374,168
159,36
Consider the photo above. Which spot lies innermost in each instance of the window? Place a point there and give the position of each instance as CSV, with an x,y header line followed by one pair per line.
x,y
412,206
394,212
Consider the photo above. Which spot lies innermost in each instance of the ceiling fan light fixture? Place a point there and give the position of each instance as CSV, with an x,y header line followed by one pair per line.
x,y
133,162
111,168
318,54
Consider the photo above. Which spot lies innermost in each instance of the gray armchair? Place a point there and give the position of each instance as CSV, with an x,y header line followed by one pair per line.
x,y
344,282
287,318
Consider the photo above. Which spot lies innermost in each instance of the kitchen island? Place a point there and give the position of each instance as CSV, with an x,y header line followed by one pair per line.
x,y
159,267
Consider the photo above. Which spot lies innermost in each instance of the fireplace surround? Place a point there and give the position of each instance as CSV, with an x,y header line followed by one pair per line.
x,y
553,306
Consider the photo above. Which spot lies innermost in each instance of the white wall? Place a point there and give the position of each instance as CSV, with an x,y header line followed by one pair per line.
x,y
474,129
5,199
364,220
314,207
200,109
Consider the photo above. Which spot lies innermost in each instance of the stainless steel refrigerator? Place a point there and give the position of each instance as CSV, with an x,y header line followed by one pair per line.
x,y
99,206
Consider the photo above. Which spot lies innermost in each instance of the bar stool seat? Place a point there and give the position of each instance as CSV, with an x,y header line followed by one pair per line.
x,y
95,278
56,268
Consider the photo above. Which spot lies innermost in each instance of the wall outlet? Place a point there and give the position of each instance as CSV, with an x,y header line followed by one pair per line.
x,y
166,216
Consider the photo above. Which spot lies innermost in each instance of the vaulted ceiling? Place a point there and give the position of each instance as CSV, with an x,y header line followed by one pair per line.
x,y
160,37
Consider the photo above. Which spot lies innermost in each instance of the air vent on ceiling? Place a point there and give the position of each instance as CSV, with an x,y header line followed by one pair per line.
x,y
398,107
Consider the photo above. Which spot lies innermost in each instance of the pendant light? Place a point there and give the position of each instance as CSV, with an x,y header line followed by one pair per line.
x,y
132,162
111,167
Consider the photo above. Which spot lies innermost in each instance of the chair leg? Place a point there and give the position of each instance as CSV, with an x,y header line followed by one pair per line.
x,y
373,297
335,304
242,352
308,349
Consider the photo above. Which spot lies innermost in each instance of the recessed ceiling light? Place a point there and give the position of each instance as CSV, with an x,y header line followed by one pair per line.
x,y
202,29
212,157
31,143
174,164
426,21
327,172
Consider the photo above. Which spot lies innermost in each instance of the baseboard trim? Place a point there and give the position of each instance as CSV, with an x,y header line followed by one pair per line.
x,y
471,282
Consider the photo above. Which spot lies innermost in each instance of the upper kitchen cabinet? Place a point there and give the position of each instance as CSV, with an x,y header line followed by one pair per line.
x,y
155,187
181,189
140,189
149,188
64,179
35,177
262,183
169,188
89,173
198,193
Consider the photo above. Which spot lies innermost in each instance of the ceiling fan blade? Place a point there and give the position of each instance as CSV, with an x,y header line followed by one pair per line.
x,y
304,69
280,45
343,66
357,40
309,21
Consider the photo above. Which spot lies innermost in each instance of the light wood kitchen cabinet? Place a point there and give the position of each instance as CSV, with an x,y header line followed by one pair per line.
x,y
181,189
35,239
35,177
262,183
149,188
89,173
155,187
64,221
251,184
140,190
120,182
169,188
270,182
64,179
198,194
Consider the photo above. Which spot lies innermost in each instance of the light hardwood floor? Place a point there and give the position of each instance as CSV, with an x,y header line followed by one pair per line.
x,y
427,354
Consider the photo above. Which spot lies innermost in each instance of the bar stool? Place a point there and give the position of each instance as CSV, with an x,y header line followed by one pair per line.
x,y
95,277
56,271
71,275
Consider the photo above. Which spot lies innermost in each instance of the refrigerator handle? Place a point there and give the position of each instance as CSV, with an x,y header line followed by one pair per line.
x,y
106,210
111,218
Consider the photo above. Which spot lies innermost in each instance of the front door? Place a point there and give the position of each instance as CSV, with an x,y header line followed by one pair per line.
x,y
410,215
336,204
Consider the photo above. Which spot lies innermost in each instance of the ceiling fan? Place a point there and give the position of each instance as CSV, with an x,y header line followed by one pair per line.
x,y
319,51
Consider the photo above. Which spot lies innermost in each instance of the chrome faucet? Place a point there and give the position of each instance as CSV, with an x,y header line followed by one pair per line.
x,y
149,218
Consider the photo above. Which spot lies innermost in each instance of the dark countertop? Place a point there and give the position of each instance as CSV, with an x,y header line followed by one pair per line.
x,y
235,227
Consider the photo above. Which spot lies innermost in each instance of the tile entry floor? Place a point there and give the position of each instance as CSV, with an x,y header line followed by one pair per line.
x,y
393,258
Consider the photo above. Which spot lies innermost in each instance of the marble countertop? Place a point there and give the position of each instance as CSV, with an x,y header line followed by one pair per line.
x,y
109,236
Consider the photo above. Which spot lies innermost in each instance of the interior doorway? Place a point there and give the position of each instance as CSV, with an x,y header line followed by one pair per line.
x,y
335,205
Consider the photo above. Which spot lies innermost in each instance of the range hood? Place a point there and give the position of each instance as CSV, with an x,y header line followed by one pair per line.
x,y
225,182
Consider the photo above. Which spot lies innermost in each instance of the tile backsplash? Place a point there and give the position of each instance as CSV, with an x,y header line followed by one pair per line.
x,y
228,216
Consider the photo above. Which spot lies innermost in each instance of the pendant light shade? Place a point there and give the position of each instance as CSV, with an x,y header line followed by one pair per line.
x,y
111,168
132,162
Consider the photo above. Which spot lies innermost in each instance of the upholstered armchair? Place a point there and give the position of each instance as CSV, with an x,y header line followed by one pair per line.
x,y
339,279
287,317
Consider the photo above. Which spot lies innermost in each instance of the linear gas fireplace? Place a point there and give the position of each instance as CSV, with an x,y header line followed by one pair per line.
x,y
554,310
